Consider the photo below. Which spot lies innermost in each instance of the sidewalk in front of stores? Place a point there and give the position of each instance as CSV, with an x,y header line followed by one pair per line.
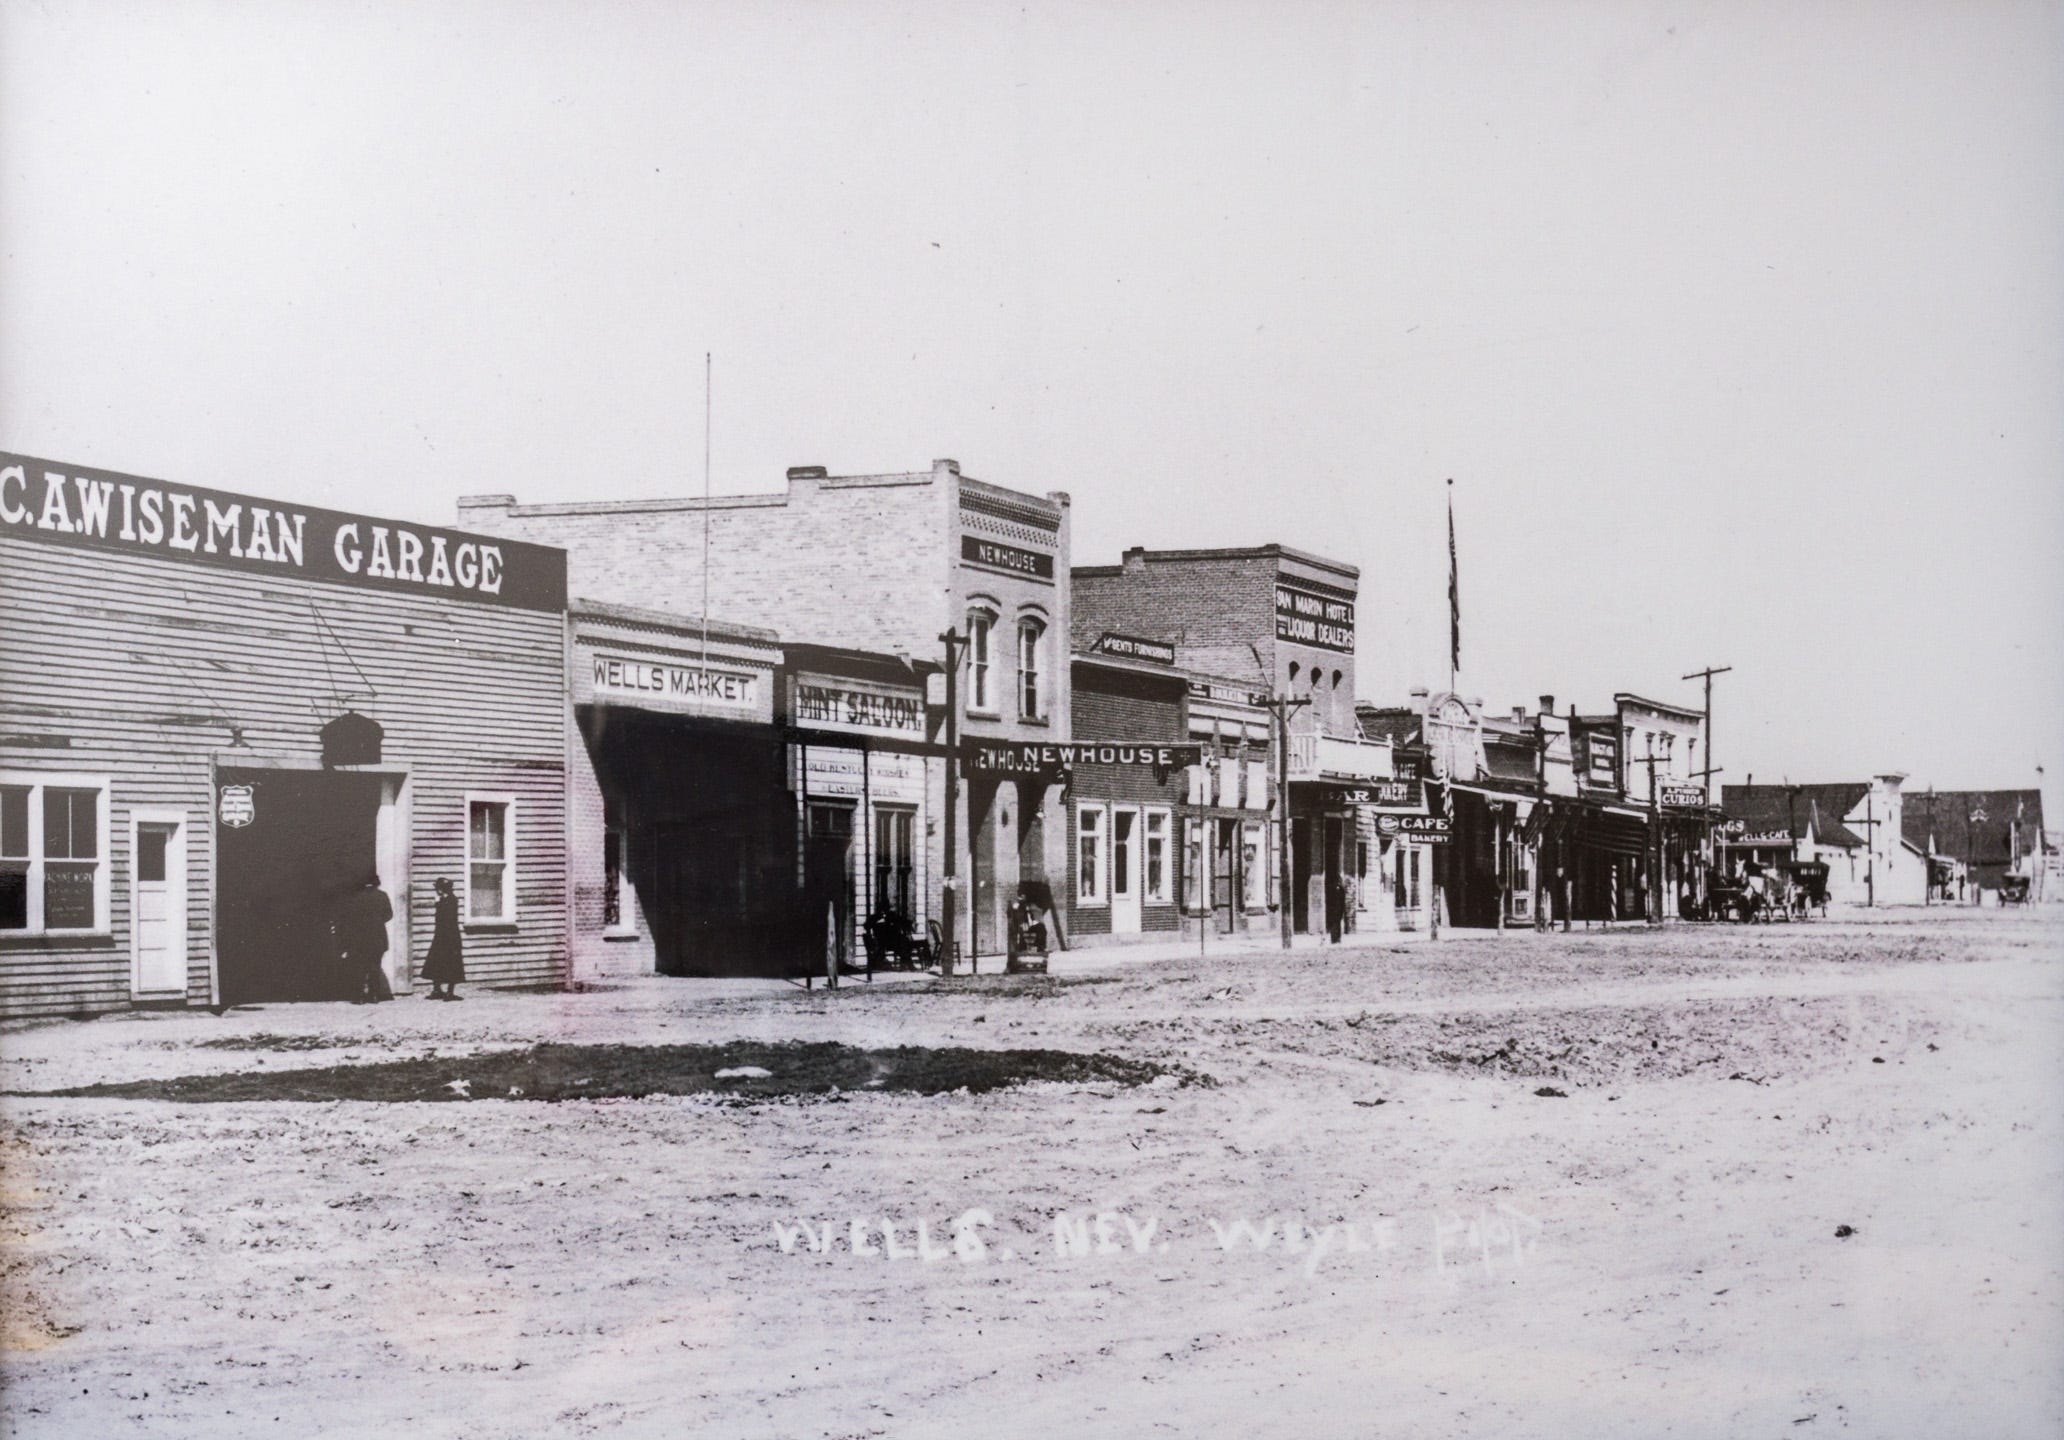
x,y
1114,955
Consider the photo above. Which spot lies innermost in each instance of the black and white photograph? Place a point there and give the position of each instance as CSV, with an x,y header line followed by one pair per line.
x,y
821,719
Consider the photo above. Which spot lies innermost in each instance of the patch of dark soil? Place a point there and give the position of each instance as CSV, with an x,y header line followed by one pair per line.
x,y
268,1042
590,1072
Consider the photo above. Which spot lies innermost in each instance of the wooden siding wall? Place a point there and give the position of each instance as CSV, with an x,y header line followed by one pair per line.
x,y
137,668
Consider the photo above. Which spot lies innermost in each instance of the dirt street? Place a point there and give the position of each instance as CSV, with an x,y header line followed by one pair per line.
x,y
1785,1181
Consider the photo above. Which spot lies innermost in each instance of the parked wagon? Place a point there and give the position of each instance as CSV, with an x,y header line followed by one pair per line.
x,y
1809,886
2013,889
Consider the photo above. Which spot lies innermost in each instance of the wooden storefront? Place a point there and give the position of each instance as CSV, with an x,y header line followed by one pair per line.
x,y
221,715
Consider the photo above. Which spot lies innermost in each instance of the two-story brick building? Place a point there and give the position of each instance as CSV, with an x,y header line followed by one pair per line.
x,y
1287,619
883,564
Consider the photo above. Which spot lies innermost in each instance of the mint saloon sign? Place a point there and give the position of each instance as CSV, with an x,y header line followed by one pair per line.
x,y
101,510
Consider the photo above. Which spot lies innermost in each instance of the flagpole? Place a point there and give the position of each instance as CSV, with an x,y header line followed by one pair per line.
x,y
1454,595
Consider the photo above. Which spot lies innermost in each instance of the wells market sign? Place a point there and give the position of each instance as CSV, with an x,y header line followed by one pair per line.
x,y
102,510
1031,757
1307,618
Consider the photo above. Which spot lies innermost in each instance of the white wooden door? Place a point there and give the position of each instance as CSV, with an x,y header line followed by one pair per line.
x,y
158,907
1125,871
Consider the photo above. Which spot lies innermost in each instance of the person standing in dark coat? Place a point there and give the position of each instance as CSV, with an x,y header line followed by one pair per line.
x,y
366,915
445,965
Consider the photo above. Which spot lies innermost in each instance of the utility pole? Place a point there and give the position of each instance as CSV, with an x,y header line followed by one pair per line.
x,y
1280,707
1655,837
1708,776
949,910
1870,853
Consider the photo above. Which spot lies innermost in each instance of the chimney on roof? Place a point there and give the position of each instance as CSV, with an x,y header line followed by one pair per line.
x,y
1135,558
950,467
1519,713
1572,709
807,472
1547,704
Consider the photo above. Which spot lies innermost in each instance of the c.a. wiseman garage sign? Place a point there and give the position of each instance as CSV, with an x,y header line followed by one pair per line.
x,y
101,510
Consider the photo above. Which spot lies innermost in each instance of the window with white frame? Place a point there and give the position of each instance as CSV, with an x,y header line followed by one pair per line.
x,y
1031,643
1158,882
981,661
53,854
1092,863
490,859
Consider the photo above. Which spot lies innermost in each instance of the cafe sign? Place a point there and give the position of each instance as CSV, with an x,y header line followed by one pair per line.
x,y
1417,827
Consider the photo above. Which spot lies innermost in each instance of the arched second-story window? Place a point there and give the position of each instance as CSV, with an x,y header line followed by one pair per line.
x,y
1031,668
981,661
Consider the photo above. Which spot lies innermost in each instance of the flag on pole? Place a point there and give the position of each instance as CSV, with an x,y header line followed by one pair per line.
x,y
1454,593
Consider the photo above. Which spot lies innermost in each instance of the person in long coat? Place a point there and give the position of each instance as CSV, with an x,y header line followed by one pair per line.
x,y
445,965
365,938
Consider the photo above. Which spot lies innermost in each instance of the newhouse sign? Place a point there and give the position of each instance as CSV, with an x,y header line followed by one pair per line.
x,y
107,511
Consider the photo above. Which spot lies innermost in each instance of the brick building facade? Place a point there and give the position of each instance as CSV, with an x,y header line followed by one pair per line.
x,y
879,563
1285,618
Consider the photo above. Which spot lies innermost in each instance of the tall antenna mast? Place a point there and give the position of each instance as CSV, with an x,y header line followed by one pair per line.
x,y
706,369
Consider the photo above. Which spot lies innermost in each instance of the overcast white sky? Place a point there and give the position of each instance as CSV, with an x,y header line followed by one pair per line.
x,y
1739,326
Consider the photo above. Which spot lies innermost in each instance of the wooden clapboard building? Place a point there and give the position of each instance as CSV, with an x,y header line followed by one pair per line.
x,y
221,716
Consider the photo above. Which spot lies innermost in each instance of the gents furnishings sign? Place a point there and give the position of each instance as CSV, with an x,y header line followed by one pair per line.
x,y
101,510
1132,647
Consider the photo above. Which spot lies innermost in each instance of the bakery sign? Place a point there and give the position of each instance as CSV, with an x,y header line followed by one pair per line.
x,y
821,702
1307,618
101,510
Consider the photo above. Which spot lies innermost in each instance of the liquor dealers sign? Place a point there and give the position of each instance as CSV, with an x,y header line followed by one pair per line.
x,y
1396,797
1308,618
1030,757
106,511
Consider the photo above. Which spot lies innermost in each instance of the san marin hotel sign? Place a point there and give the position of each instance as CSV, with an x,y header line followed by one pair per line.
x,y
124,514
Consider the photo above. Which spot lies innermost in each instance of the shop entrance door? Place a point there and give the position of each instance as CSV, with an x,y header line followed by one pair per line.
x,y
308,840
1125,871
1225,874
158,906
828,884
